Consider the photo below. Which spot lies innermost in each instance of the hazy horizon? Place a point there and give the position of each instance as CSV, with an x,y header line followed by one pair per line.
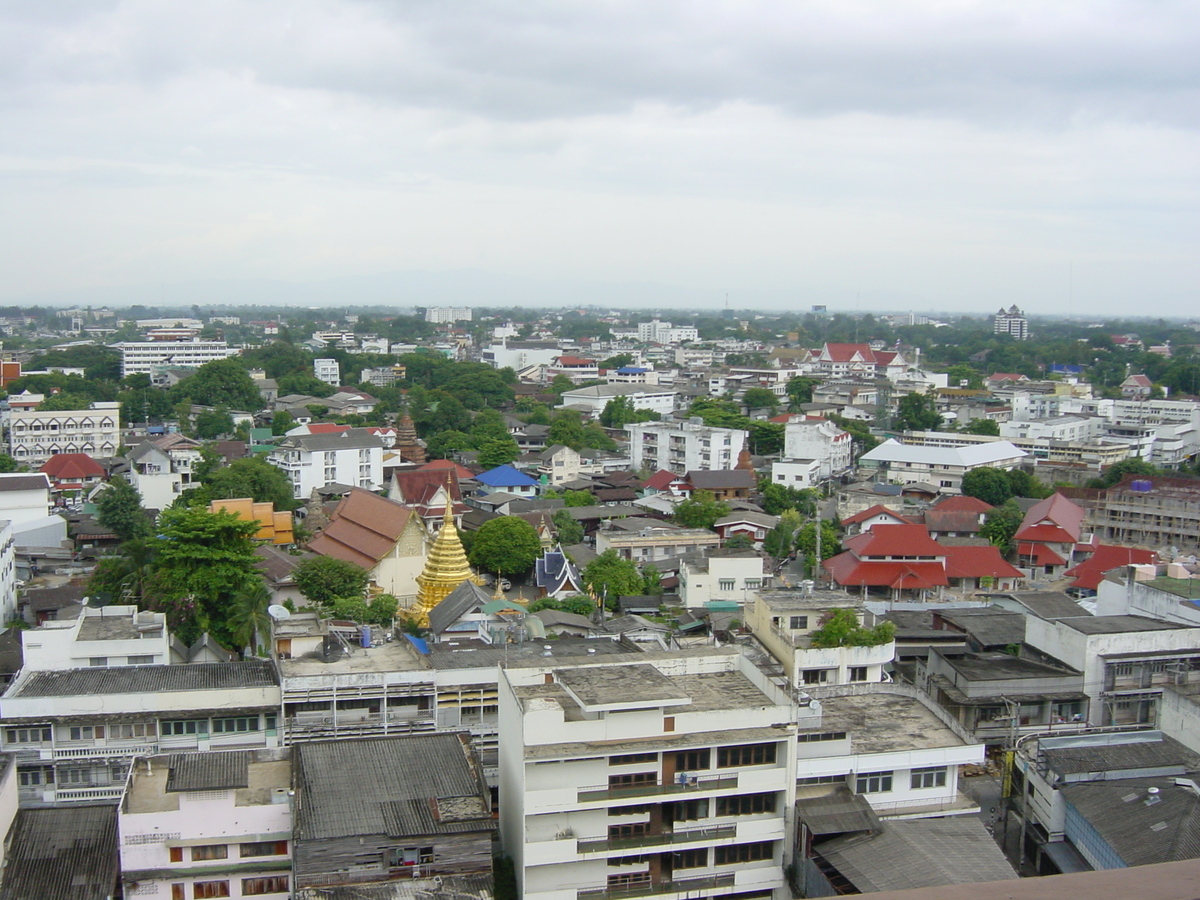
x,y
914,155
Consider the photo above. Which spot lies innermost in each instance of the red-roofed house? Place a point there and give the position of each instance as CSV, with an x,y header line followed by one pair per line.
x,y
869,518
980,568
1136,387
665,482
1089,573
1047,537
71,472
424,491
1004,379
900,559
576,368
963,503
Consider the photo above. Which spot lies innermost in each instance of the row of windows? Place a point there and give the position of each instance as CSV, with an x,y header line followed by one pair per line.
x,y
696,858
251,887
746,755
129,730
207,852
919,779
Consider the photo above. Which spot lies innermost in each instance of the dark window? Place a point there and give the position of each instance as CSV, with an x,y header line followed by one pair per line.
x,y
873,783
799,622
690,859
690,760
810,737
630,758
202,889
668,723
615,861
177,892
265,848
271,884
745,755
738,853
635,829
746,805
176,854
928,778
633,879
633,779
686,810
210,851
858,673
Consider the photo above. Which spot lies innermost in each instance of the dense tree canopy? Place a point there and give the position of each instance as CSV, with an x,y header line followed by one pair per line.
x,y
701,510
324,579
609,576
119,509
507,546
222,382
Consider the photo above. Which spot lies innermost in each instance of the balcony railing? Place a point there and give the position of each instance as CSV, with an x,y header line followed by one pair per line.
x,y
110,792
651,789
649,889
679,836
103,752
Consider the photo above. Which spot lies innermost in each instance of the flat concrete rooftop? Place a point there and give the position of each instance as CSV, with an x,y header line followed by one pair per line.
x,y
996,665
881,723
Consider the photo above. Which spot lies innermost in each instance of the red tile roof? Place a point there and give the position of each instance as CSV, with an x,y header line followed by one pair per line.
x,y
1042,554
895,540
418,486
978,562
876,510
660,480
363,529
962,503
1055,510
326,428
1089,573
848,571
69,466
846,352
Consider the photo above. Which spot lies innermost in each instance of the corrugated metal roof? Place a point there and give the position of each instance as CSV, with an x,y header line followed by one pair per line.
x,y
62,854
211,771
147,679
362,787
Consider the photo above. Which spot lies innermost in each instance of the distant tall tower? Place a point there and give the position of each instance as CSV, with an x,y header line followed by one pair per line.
x,y
1012,322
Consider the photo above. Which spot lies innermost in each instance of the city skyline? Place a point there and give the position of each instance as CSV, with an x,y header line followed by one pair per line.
x,y
923,156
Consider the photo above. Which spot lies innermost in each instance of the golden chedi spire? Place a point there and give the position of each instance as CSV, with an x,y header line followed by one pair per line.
x,y
445,568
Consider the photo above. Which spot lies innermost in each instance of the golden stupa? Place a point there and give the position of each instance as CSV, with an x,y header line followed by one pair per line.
x,y
445,568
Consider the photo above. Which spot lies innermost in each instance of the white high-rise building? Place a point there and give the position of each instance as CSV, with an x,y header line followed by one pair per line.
x,y
665,333
1012,321
142,357
328,371
674,777
684,446
440,315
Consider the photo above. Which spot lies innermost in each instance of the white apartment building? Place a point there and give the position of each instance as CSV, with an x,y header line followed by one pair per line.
x,y
722,576
783,621
684,446
100,637
820,440
208,825
353,457
942,467
441,315
1054,428
796,473
75,731
328,371
670,776
142,357
665,333
517,355
34,436
592,400
161,469
1011,321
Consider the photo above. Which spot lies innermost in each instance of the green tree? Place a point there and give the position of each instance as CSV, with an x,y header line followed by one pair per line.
x,y
248,621
983,426
446,443
566,428
63,401
619,412
840,628
956,375
381,609
282,422
806,543
213,423
776,498
739,542
619,361
651,581
799,391
701,510
1025,485
119,509
569,530
780,539
222,382
1001,524
254,477
507,546
578,498
488,425
1119,470
324,579
760,398
8,464
203,560
990,485
610,577
917,412
497,452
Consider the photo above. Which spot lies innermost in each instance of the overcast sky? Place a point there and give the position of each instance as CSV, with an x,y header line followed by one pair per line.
x,y
935,155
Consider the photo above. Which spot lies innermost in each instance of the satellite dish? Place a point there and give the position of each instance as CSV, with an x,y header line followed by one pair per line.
x,y
278,613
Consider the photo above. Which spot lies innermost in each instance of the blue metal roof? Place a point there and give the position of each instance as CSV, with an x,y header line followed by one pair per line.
x,y
505,476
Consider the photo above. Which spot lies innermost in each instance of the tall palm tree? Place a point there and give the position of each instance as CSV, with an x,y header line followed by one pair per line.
x,y
248,621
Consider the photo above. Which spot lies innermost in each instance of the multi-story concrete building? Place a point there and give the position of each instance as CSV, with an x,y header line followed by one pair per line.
x,y
75,731
328,371
783,621
652,543
684,446
353,457
819,439
100,637
34,436
943,467
665,333
161,469
143,357
208,825
441,315
592,400
670,776
722,576
1011,321
1150,511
